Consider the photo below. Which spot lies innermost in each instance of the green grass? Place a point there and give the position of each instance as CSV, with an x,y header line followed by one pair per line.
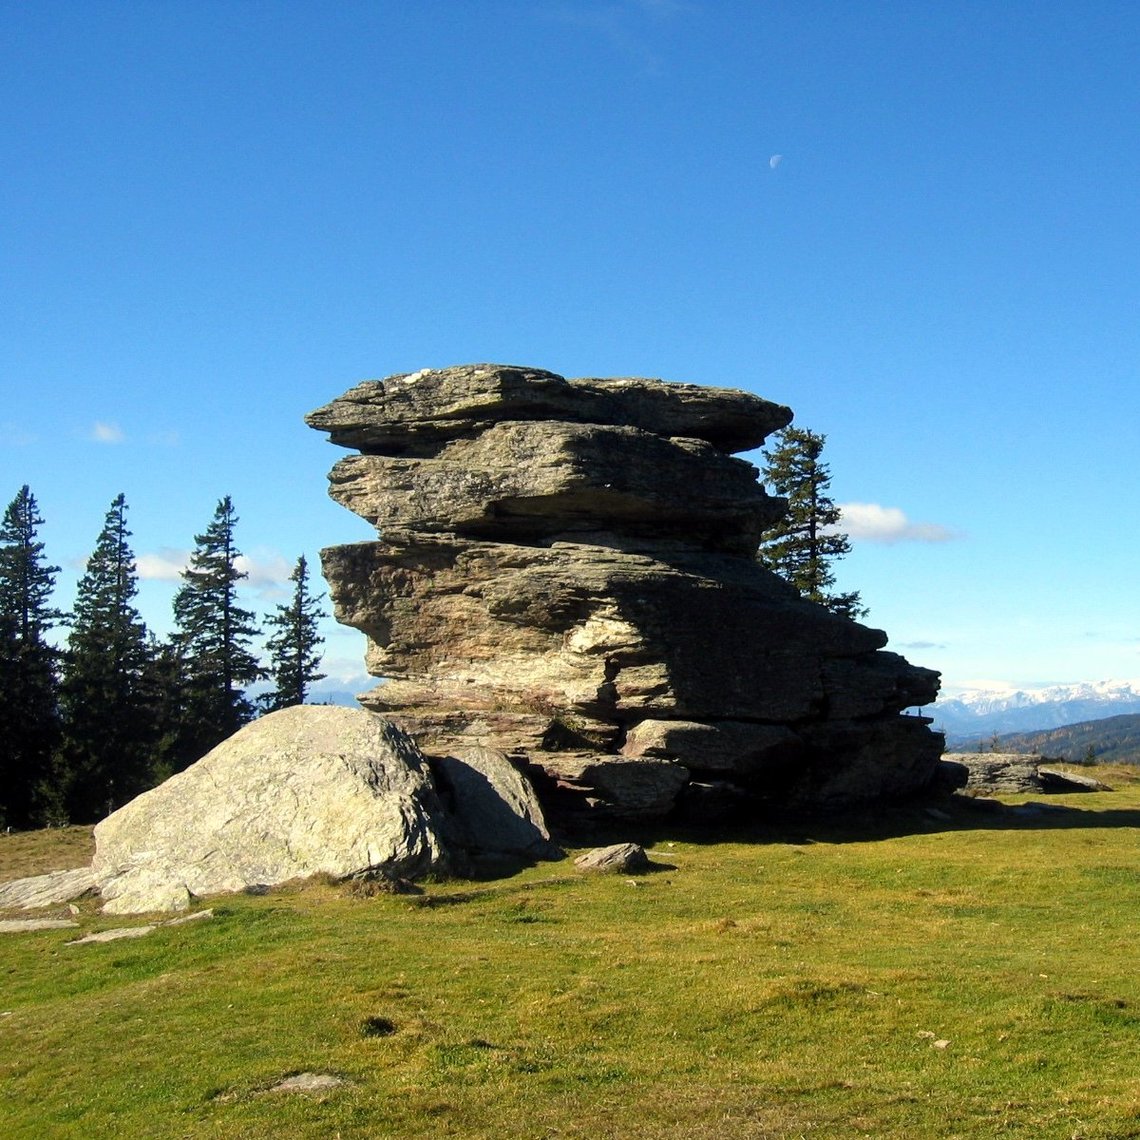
x,y
886,976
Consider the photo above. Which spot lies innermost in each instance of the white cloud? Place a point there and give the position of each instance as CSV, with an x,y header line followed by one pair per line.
x,y
266,569
347,673
870,522
104,432
164,566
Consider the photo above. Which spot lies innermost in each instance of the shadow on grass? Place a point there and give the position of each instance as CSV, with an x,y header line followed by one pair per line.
x,y
859,825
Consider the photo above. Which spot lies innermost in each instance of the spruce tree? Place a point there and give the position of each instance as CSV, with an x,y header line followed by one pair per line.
x,y
802,546
213,639
29,714
165,688
108,729
294,650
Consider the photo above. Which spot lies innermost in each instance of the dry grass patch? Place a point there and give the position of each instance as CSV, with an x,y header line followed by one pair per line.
x,y
26,853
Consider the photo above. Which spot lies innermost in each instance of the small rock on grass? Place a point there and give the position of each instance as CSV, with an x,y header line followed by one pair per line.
x,y
619,858
112,935
19,925
182,920
307,1082
137,931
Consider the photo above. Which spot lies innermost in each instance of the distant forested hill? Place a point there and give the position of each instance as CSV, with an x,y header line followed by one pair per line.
x,y
1115,740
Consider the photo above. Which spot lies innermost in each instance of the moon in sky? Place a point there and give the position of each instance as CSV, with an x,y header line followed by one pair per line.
x,y
775,160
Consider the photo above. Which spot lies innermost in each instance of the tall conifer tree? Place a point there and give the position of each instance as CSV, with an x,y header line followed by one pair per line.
x,y
165,687
106,754
214,634
29,715
294,650
802,546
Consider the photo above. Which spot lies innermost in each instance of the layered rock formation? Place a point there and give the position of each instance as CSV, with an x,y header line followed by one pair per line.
x,y
566,573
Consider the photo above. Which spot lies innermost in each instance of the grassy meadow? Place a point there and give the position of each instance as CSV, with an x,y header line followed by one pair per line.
x,y
888,974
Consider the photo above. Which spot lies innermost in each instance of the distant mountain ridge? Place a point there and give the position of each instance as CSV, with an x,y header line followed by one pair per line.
x,y
979,713
1113,740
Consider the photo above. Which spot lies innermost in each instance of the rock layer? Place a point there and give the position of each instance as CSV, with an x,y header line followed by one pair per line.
x,y
566,573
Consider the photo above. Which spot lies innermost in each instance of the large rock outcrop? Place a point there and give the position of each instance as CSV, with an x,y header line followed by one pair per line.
x,y
305,790
566,573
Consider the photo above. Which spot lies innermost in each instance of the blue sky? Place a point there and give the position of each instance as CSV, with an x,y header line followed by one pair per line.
x,y
215,216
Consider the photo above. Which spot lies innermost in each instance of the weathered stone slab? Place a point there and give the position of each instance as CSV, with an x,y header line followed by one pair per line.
x,y
728,418
115,935
530,480
24,925
716,746
1001,773
1066,780
306,790
307,1083
642,789
858,761
46,890
1013,773
411,413
599,632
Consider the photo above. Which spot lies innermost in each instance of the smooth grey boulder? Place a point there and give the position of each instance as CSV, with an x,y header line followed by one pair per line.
x,y
306,790
492,808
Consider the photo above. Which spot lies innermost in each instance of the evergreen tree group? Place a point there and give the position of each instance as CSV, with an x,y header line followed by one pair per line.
x,y
87,725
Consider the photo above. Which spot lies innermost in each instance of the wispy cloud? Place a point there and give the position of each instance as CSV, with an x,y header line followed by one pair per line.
x,y
922,645
625,26
870,522
267,572
166,565
102,431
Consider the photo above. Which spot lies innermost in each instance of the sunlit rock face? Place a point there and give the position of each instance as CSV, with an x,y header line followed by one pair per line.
x,y
565,572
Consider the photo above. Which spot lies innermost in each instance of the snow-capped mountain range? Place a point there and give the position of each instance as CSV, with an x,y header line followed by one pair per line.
x,y
976,713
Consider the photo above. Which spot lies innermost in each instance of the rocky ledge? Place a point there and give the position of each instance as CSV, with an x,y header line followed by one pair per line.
x,y
566,573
